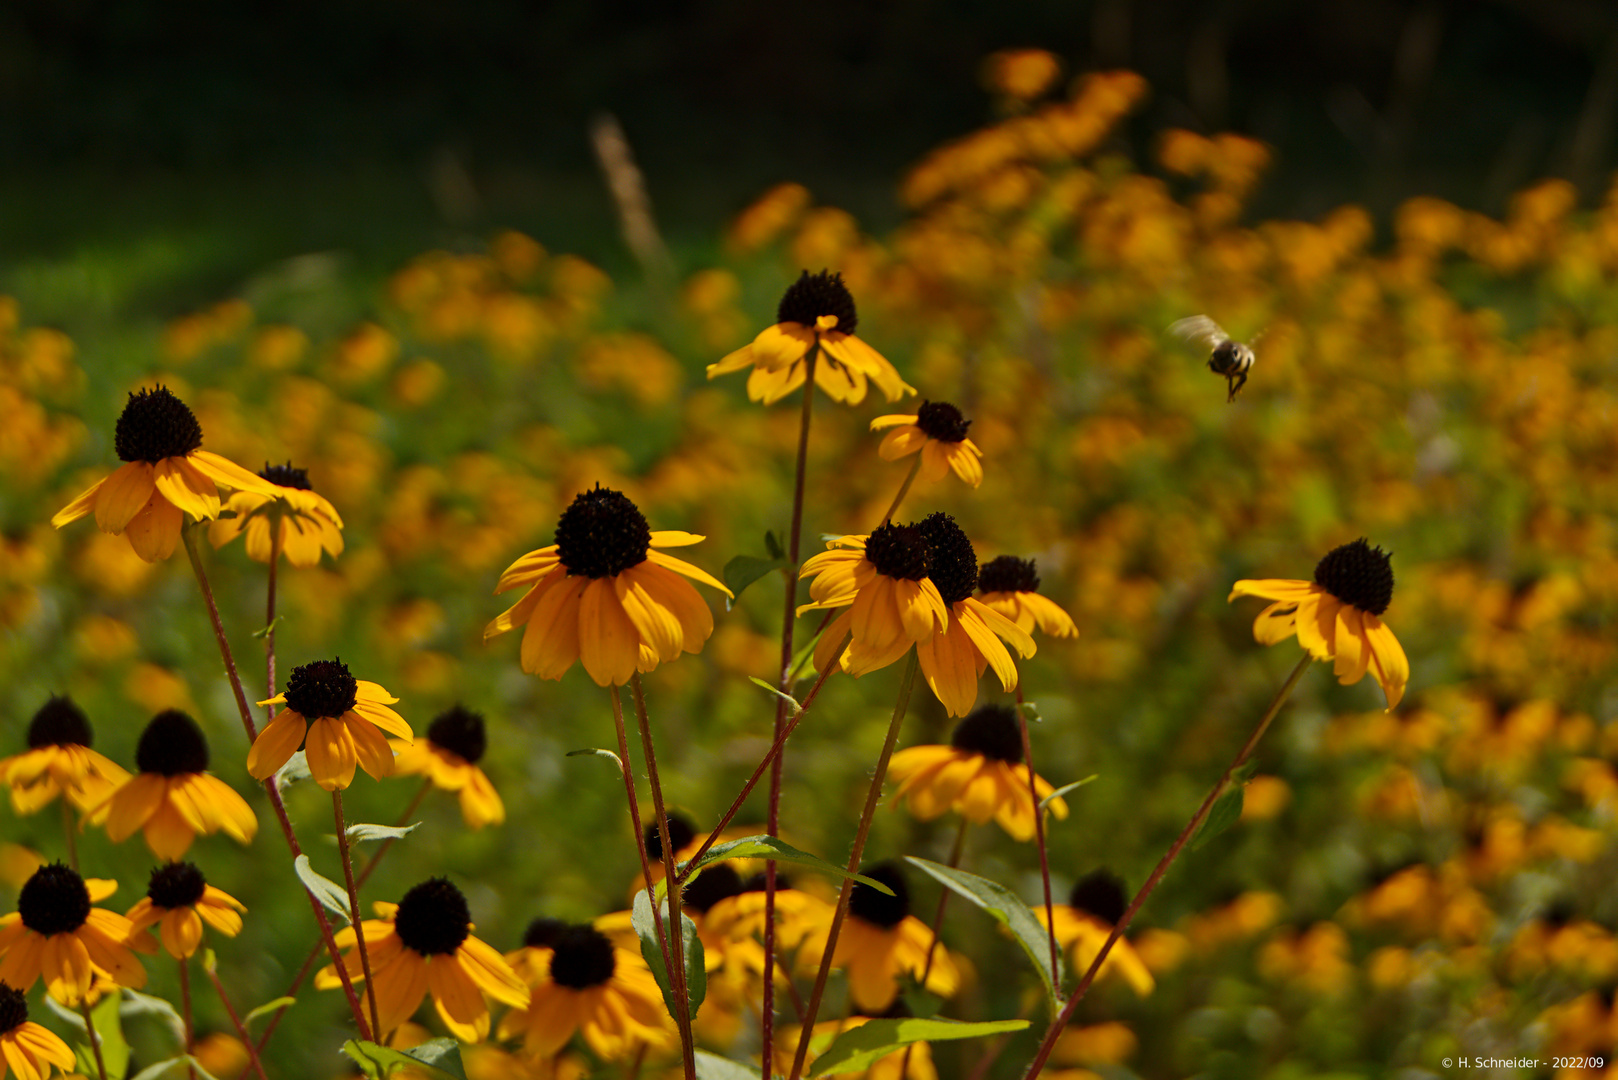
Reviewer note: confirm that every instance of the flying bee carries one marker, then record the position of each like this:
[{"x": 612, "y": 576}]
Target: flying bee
[{"x": 1230, "y": 358}]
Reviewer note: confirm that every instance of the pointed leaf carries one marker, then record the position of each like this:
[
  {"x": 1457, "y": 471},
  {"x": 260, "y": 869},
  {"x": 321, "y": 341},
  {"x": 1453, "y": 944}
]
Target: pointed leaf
[
  {"x": 743, "y": 570},
  {"x": 296, "y": 768},
  {"x": 136, "y": 1003},
  {"x": 267, "y": 1008},
  {"x": 1005, "y": 906},
  {"x": 854, "y": 1050},
  {"x": 1065, "y": 788},
  {"x": 438, "y": 1058},
  {"x": 1030, "y": 710},
  {"x": 772, "y": 544},
  {"x": 171, "y": 1067},
  {"x": 327, "y": 891},
  {"x": 596, "y": 751},
  {"x": 771, "y": 847},
  {"x": 713, "y": 1067},
  {"x": 696, "y": 972},
  {"x": 1227, "y": 811},
  {"x": 380, "y": 832},
  {"x": 792, "y": 702}
]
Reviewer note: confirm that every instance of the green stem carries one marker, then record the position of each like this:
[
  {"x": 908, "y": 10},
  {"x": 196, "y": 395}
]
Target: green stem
[
  {"x": 94, "y": 1036},
  {"x": 185, "y": 1012},
  {"x": 68, "y": 831},
  {"x": 1060, "y": 1023},
  {"x": 354, "y": 911},
  {"x": 269, "y": 614},
  {"x": 872, "y": 796},
  {"x": 904, "y": 489},
  {"x": 1039, "y": 836}
]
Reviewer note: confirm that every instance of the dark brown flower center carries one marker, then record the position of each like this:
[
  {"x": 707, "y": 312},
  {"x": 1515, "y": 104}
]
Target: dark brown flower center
[
  {"x": 177, "y": 885},
  {"x": 433, "y": 918},
  {"x": 13, "y": 1008},
  {"x": 1358, "y": 574},
  {"x": 59, "y": 722},
  {"x": 942, "y": 421},
  {"x": 155, "y": 425},
  {"x": 285, "y": 476},
  {"x": 1007, "y": 573},
  {"x": 583, "y": 958},
  {"x": 711, "y": 886},
  {"x": 461, "y": 732},
  {"x": 323, "y": 688},
  {"x": 602, "y": 534},
  {"x": 992, "y": 731},
  {"x": 876, "y": 907},
  {"x": 1100, "y": 893},
  {"x": 814, "y": 295},
  {"x": 172, "y": 744},
  {"x": 542, "y": 933},
  {"x": 680, "y": 828},
  {"x": 54, "y": 901},
  {"x": 953, "y": 563},
  {"x": 899, "y": 552}
]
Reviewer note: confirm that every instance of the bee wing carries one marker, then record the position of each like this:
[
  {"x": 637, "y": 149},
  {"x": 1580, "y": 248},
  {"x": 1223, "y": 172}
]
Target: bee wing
[{"x": 1199, "y": 329}]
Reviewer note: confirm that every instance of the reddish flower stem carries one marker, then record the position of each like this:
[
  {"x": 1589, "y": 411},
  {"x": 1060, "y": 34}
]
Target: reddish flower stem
[
  {"x": 185, "y": 1012},
  {"x": 269, "y": 616},
  {"x": 904, "y": 489},
  {"x": 253, "y": 1061},
  {"x": 354, "y": 910},
  {"x": 1039, "y": 837}
]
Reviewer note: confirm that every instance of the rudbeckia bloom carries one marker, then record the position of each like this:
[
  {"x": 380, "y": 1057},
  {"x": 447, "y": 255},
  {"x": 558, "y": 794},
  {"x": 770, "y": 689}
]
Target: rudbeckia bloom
[
  {"x": 1010, "y": 586},
  {"x": 449, "y": 756},
  {"x": 603, "y": 594},
  {"x": 882, "y": 580},
  {"x": 59, "y": 761},
  {"x": 881, "y": 941},
  {"x": 816, "y": 311},
  {"x": 174, "y": 798},
  {"x": 343, "y": 719},
  {"x": 1085, "y": 922},
  {"x": 979, "y": 775},
  {"x": 938, "y": 431},
  {"x": 422, "y": 943},
  {"x": 308, "y": 524},
  {"x": 587, "y": 985},
  {"x": 797, "y": 915},
  {"x": 178, "y": 899},
  {"x": 56, "y": 933},
  {"x": 166, "y": 476},
  {"x": 1338, "y": 616},
  {"x": 918, "y": 1055},
  {"x": 26, "y": 1048}
]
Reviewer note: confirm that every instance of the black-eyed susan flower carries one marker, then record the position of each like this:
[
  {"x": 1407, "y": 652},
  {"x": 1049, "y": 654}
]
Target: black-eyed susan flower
[
  {"x": 686, "y": 842},
  {"x": 174, "y": 798},
  {"x": 166, "y": 475},
  {"x": 915, "y": 1062},
  {"x": 338, "y": 719},
  {"x": 589, "y": 986},
  {"x": 816, "y": 312},
  {"x": 56, "y": 932},
  {"x": 422, "y": 943},
  {"x": 1011, "y": 586},
  {"x": 59, "y": 761},
  {"x": 798, "y": 914},
  {"x": 880, "y": 941},
  {"x": 1084, "y": 923},
  {"x": 937, "y": 431},
  {"x": 1338, "y": 616},
  {"x": 980, "y": 775},
  {"x": 605, "y": 595},
  {"x": 178, "y": 900},
  {"x": 26, "y": 1048},
  {"x": 449, "y": 755},
  {"x": 306, "y": 522},
  {"x": 882, "y": 580},
  {"x": 954, "y": 660}
]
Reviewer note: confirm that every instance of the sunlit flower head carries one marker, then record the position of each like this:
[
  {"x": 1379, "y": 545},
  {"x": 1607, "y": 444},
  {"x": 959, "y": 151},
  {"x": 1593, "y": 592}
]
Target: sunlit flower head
[
  {"x": 449, "y": 755},
  {"x": 882, "y": 580},
  {"x": 586, "y": 985},
  {"x": 338, "y": 719},
  {"x": 980, "y": 775},
  {"x": 938, "y": 431},
  {"x": 1084, "y": 923},
  {"x": 798, "y": 914},
  {"x": 59, "y": 761},
  {"x": 1338, "y": 616},
  {"x": 1011, "y": 586},
  {"x": 178, "y": 900},
  {"x": 56, "y": 932},
  {"x": 308, "y": 524},
  {"x": 26, "y": 1048},
  {"x": 881, "y": 941},
  {"x": 174, "y": 797},
  {"x": 422, "y": 943},
  {"x": 605, "y": 595},
  {"x": 166, "y": 475},
  {"x": 816, "y": 312}
]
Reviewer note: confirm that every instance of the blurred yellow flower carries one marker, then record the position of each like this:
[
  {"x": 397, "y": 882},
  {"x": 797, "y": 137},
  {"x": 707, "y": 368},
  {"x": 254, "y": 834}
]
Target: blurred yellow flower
[
  {"x": 343, "y": 719},
  {"x": 56, "y": 932},
  {"x": 1010, "y": 586},
  {"x": 59, "y": 761},
  {"x": 178, "y": 899},
  {"x": 938, "y": 431},
  {"x": 1084, "y": 923},
  {"x": 300, "y": 522},
  {"x": 1023, "y": 74},
  {"x": 817, "y": 313},
  {"x": 173, "y": 798},
  {"x": 580, "y": 983},
  {"x": 1337, "y": 616},
  {"x": 456, "y": 741},
  {"x": 916, "y": 1059}
]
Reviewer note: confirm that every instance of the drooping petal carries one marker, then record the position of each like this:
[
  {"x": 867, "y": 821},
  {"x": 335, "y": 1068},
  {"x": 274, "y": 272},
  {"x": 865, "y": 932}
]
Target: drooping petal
[
  {"x": 133, "y": 804},
  {"x": 1353, "y": 650},
  {"x": 901, "y": 442},
  {"x": 1004, "y": 628},
  {"x": 371, "y": 749},
  {"x": 680, "y": 566},
  {"x": 155, "y": 531},
  {"x": 680, "y": 597},
  {"x": 330, "y": 752},
  {"x": 1273, "y": 589},
  {"x": 656, "y": 624},
  {"x": 123, "y": 495},
  {"x": 1388, "y": 661},
  {"x": 608, "y": 641},
  {"x": 893, "y": 420},
  {"x": 181, "y": 931},
  {"x": 275, "y": 744},
  {"x": 988, "y": 646},
  {"x": 1276, "y": 623},
  {"x": 84, "y": 504},
  {"x": 186, "y": 488},
  {"x": 224, "y": 471},
  {"x": 530, "y": 568},
  {"x": 168, "y": 834},
  {"x": 550, "y": 645},
  {"x": 1317, "y": 614},
  {"x": 966, "y": 460}
]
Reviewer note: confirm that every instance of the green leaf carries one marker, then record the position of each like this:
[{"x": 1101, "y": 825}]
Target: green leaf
[
  {"x": 264, "y": 631},
  {"x": 1003, "y": 905},
  {"x": 380, "y": 832},
  {"x": 110, "y": 1030},
  {"x": 296, "y": 768},
  {"x": 1030, "y": 710},
  {"x": 1227, "y": 811},
  {"x": 714, "y": 1067},
  {"x": 1065, "y": 788},
  {"x": 792, "y": 702},
  {"x": 854, "y": 1050},
  {"x": 696, "y": 973},
  {"x": 771, "y": 847},
  {"x": 267, "y": 1008},
  {"x": 438, "y": 1058},
  {"x": 596, "y": 751},
  {"x": 327, "y": 891},
  {"x": 743, "y": 570},
  {"x": 136, "y": 1003},
  {"x": 772, "y": 544},
  {"x": 165, "y": 1068}
]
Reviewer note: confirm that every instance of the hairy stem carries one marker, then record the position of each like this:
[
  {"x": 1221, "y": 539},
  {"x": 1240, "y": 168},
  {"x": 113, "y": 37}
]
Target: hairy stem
[
  {"x": 640, "y": 832},
  {"x": 354, "y": 910},
  {"x": 904, "y": 489},
  {"x": 269, "y": 615},
  {"x": 69, "y": 831},
  {"x": 1039, "y": 835},
  {"x": 94, "y": 1036},
  {"x": 253, "y": 1061}
]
